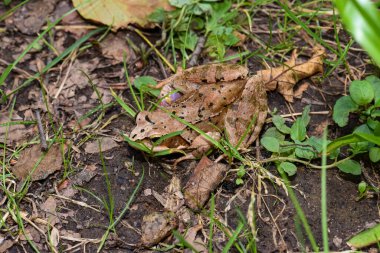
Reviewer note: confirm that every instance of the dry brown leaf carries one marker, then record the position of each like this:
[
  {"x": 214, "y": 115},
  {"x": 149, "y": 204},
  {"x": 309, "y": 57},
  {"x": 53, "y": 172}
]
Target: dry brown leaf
[
  {"x": 16, "y": 133},
  {"x": 106, "y": 143},
  {"x": 156, "y": 227},
  {"x": 301, "y": 89},
  {"x": 50, "y": 163},
  {"x": 284, "y": 78},
  {"x": 49, "y": 206},
  {"x": 205, "y": 178},
  {"x": 5, "y": 245},
  {"x": 119, "y": 13},
  {"x": 193, "y": 240},
  {"x": 115, "y": 47}
]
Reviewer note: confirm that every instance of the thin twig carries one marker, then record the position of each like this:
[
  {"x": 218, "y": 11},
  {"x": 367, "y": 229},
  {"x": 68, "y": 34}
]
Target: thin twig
[{"x": 44, "y": 145}]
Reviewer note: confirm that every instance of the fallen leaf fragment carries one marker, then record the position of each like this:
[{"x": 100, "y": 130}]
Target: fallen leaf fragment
[
  {"x": 156, "y": 227},
  {"x": 49, "y": 206},
  {"x": 5, "y": 245},
  {"x": 284, "y": 78},
  {"x": 193, "y": 240},
  {"x": 16, "y": 132},
  {"x": 115, "y": 47},
  {"x": 29, "y": 158},
  {"x": 205, "y": 178},
  {"x": 106, "y": 143},
  {"x": 119, "y": 13}
]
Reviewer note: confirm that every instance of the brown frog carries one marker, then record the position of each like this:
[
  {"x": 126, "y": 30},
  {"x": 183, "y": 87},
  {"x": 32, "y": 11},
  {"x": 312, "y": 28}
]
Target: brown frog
[{"x": 219, "y": 98}]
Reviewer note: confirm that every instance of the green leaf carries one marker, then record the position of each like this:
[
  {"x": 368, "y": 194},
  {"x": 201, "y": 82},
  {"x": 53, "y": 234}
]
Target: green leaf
[
  {"x": 362, "y": 18},
  {"x": 298, "y": 130},
  {"x": 351, "y": 167},
  {"x": 375, "y": 82},
  {"x": 342, "y": 141},
  {"x": 374, "y": 154},
  {"x": 365, "y": 238},
  {"x": 273, "y": 132},
  {"x": 142, "y": 83},
  {"x": 305, "y": 115},
  {"x": 180, "y": 3},
  {"x": 342, "y": 109},
  {"x": 279, "y": 123},
  {"x": 305, "y": 150},
  {"x": 241, "y": 172},
  {"x": 369, "y": 137},
  {"x": 271, "y": 144},
  {"x": 289, "y": 168},
  {"x": 362, "y": 187},
  {"x": 362, "y": 92},
  {"x": 287, "y": 147},
  {"x": 362, "y": 145},
  {"x": 239, "y": 181}
]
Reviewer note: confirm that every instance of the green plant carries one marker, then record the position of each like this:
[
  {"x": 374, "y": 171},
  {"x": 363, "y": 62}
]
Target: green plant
[
  {"x": 190, "y": 20},
  {"x": 362, "y": 19},
  {"x": 363, "y": 100}
]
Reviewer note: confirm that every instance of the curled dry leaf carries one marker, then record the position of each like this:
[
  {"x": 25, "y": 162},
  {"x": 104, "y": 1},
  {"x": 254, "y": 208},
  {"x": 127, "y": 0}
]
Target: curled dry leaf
[
  {"x": 205, "y": 178},
  {"x": 119, "y": 13},
  {"x": 51, "y": 162},
  {"x": 216, "y": 97},
  {"x": 157, "y": 226}
]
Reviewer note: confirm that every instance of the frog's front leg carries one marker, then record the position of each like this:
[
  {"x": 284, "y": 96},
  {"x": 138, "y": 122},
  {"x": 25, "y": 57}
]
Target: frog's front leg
[{"x": 251, "y": 107}]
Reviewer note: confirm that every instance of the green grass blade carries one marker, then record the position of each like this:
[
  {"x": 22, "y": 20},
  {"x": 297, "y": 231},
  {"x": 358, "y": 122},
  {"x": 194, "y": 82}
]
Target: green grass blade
[
  {"x": 123, "y": 212},
  {"x": 305, "y": 27},
  {"x": 299, "y": 211},
  {"x": 233, "y": 238},
  {"x": 7, "y": 13},
  {"x": 56, "y": 60},
  {"x": 325, "y": 235},
  {"x": 126, "y": 107},
  {"x": 167, "y": 136},
  {"x": 137, "y": 145},
  {"x": 363, "y": 21},
  {"x": 9, "y": 68}
]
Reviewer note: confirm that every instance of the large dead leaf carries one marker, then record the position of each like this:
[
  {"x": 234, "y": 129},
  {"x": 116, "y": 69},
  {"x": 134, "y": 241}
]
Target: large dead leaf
[
  {"x": 205, "y": 178},
  {"x": 119, "y": 13},
  {"x": 50, "y": 163}
]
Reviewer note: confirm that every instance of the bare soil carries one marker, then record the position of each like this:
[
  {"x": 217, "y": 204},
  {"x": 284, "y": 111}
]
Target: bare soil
[{"x": 278, "y": 229}]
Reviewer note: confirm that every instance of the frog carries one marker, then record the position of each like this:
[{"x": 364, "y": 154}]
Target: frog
[{"x": 218, "y": 99}]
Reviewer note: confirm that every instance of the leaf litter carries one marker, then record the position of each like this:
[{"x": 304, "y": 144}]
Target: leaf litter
[{"x": 70, "y": 97}]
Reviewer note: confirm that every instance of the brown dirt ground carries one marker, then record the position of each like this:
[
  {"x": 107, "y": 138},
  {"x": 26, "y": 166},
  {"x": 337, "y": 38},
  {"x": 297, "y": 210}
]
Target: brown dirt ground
[{"x": 346, "y": 215}]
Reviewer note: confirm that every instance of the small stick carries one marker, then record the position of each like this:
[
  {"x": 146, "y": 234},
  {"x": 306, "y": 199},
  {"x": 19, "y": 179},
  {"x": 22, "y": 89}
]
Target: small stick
[
  {"x": 44, "y": 145},
  {"x": 197, "y": 51}
]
